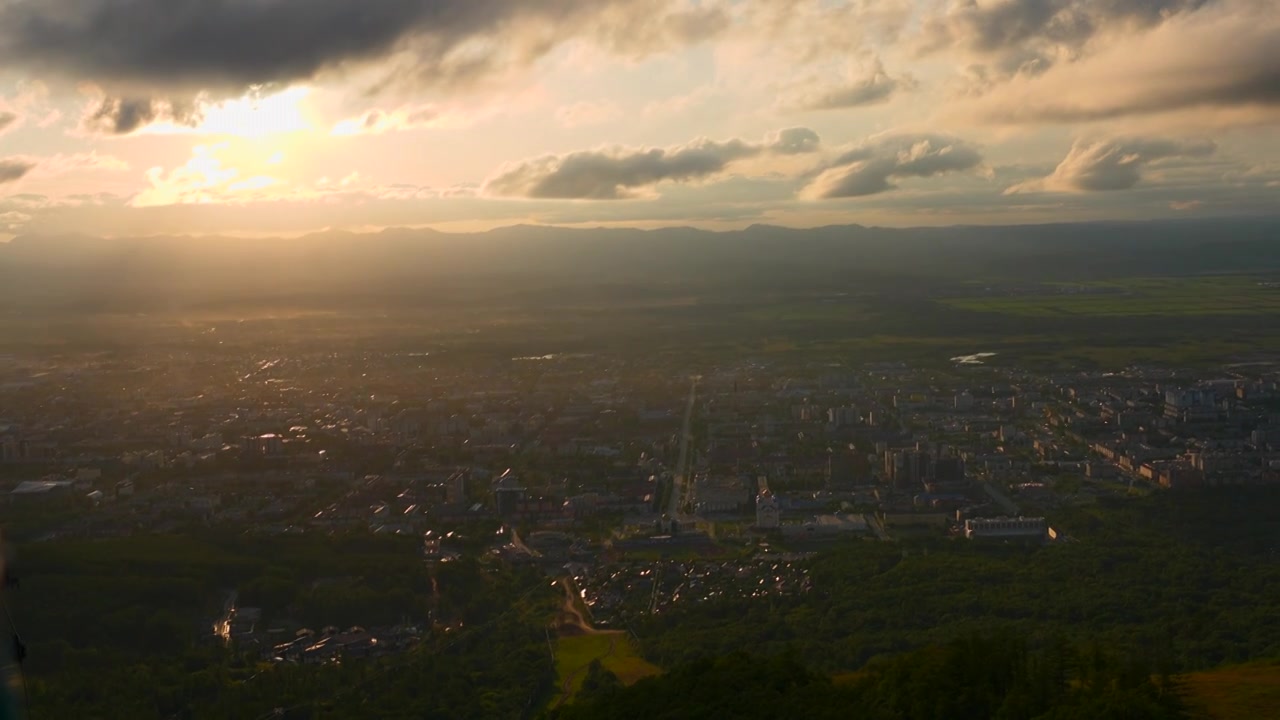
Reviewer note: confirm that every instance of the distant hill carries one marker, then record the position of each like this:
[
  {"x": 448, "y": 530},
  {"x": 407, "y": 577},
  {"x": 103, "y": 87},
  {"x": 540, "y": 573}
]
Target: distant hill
[{"x": 400, "y": 265}]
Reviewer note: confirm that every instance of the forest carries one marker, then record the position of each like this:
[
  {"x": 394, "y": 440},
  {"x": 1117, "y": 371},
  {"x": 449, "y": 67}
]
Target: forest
[
  {"x": 994, "y": 677},
  {"x": 1184, "y": 580},
  {"x": 1148, "y": 591}
]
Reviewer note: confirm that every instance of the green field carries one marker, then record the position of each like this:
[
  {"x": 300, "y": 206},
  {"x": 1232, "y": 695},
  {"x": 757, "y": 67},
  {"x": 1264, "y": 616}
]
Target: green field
[
  {"x": 614, "y": 651},
  {"x": 1239, "y": 692},
  {"x": 1193, "y": 297}
]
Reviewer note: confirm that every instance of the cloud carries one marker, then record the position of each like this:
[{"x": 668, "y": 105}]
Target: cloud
[
  {"x": 13, "y": 221},
  {"x": 257, "y": 113},
  {"x": 454, "y": 114},
  {"x": 171, "y": 48},
  {"x": 14, "y": 169},
  {"x": 619, "y": 173},
  {"x": 31, "y": 102},
  {"x": 377, "y": 122},
  {"x": 1109, "y": 165},
  {"x": 1226, "y": 57},
  {"x": 812, "y": 54},
  {"x": 615, "y": 175},
  {"x": 587, "y": 112},
  {"x": 62, "y": 164},
  {"x": 204, "y": 179},
  {"x": 678, "y": 104},
  {"x": 122, "y": 116},
  {"x": 1028, "y": 36},
  {"x": 872, "y": 168},
  {"x": 871, "y": 87},
  {"x": 793, "y": 141}
]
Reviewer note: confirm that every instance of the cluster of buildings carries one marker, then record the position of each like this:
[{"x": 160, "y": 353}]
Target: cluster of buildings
[
  {"x": 636, "y": 474},
  {"x": 1173, "y": 430},
  {"x": 614, "y": 591}
]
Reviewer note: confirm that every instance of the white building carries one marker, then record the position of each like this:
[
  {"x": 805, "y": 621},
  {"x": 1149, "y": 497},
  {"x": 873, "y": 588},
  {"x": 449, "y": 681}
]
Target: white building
[
  {"x": 827, "y": 527},
  {"x": 1003, "y": 527},
  {"x": 766, "y": 511}
]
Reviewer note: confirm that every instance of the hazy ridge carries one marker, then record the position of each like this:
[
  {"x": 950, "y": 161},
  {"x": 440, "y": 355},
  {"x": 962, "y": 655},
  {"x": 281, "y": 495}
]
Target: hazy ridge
[{"x": 86, "y": 273}]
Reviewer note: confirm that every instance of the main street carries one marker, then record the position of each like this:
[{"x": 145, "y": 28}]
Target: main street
[{"x": 680, "y": 479}]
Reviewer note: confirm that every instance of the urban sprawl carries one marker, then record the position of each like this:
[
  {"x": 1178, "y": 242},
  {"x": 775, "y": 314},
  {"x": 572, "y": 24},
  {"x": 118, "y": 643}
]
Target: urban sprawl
[{"x": 638, "y": 485}]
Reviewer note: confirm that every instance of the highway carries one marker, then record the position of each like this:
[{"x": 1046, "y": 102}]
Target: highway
[{"x": 680, "y": 479}]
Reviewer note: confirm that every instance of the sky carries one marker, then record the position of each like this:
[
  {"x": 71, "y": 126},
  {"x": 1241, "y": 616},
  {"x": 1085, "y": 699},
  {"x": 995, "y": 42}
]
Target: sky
[{"x": 279, "y": 117}]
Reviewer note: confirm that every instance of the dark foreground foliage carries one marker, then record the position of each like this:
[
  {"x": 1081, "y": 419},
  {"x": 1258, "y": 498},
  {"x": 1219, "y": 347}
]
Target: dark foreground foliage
[{"x": 978, "y": 678}]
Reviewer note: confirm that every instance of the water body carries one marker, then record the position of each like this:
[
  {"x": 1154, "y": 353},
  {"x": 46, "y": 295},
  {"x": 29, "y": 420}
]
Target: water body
[
  {"x": 553, "y": 356},
  {"x": 974, "y": 359}
]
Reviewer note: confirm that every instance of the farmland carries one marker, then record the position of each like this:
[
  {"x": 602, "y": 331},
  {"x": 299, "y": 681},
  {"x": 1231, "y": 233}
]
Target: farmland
[{"x": 1183, "y": 297}]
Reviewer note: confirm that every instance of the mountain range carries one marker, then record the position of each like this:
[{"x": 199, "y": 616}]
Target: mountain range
[{"x": 403, "y": 265}]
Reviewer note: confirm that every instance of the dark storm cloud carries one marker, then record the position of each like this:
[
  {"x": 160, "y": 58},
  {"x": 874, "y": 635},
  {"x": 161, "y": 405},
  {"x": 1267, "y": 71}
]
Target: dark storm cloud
[
  {"x": 618, "y": 174},
  {"x": 14, "y": 169},
  {"x": 1110, "y": 165},
  {"x": 873, "y": 168},
  {"x": 158, "y": 47}
]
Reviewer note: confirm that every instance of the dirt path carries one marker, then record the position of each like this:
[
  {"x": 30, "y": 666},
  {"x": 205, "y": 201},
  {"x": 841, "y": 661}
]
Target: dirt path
[{"x": 571, "y": 618}]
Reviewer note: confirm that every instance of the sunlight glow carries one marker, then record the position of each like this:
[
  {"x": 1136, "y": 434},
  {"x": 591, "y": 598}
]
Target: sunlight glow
[
  {"x": 204, "y": 179},
  {"x": 251, "y": 116}
]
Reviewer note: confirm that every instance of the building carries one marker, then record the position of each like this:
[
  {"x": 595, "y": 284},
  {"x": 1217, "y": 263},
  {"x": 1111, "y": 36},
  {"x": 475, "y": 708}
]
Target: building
[
  {"x": 33, "y": 488},
  {"x": 843, "y": 416},
  {"x": 508, "y": 494},
  {"x": 1006, "y": 528},
  {"x": 455, "y": 488},
  {"x": 846, "y": 468},
  {"x": 1190, "y": 405},
  {"x": 269, "y": 445},
  {"x": 910, "y": 468},
  {"x": 766, "y": 511},
  {"x": 827, "y": 527},
  {"x": 721, "y": 494},
  {"x": 949, "y": 471}
]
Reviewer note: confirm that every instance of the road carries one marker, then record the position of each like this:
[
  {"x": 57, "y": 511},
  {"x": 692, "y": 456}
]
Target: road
[
  {"x": 1001, "y": 499},
  {"x": 571, "y": 618},
  {"x": 222, "y": 628},
  {"x": 572, "y": 622},
  {"x": 680, "y": 478},
  {"x": 519, "y": 545},
  {"x": 878, "y": 528}
]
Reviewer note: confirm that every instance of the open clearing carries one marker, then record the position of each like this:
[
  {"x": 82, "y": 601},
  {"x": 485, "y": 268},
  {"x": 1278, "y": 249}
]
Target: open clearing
[
  {"x": 578, "y": 644},
  {"x": 1239, "y": 692},
  {"x": 614, "y": 651}
]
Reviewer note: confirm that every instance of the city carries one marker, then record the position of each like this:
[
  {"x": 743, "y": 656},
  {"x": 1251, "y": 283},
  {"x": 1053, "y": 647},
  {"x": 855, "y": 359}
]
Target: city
[
  {"x": 645, "y": 488},
  {"x": 639, "y": 359}
]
